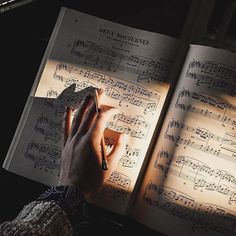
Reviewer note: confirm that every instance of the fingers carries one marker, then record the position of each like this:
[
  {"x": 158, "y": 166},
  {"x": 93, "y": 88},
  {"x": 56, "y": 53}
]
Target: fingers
[
  {"x": 99, "y": 125},
  {"x": 66, "y": 123},
  {"x": 116, "y": 152},
  {"x": 84, "y": 105},
  {"x": 91, "y": 113},
  {"x": 100, "y": 97}
]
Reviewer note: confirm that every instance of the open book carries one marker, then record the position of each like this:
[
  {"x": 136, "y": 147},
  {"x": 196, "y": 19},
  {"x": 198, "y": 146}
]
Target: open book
[{"x": 177, "y": 105}]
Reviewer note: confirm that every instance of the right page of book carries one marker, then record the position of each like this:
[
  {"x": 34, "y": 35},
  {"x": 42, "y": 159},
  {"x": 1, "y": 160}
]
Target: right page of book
[{"x": 190, "y": 183}]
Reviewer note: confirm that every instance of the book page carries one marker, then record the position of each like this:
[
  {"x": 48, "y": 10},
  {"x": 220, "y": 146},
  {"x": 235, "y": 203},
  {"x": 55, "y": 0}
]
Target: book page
[
  {"x": 132, "y": 67},
  {"x": 190, "y": 184}
]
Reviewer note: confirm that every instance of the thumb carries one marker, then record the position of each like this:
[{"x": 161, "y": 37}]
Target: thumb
[{"x": 117, "y": 151}]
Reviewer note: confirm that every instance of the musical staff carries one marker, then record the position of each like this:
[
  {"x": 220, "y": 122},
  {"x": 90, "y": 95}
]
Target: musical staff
[
  {"x": 131, "y": 157},
  {"x": 120, "y": 180},
  {"x": 117, "y": 186},
  {"x": 202, "y": 139},
  {"x": 200, "y": 175},
  {"x": 135, "y": 126},
  {"x": 45, "y": 157},
  {"x": 123, "y": 92},
  {"x": 95, "y": 56},
  {"x": 49, "y": 128},
  {"x": 214, "y": 108},
  {"x": 171, "y": 200},
  {"x": 203, "y": 216},
  {"x": 211, "y": 74}
]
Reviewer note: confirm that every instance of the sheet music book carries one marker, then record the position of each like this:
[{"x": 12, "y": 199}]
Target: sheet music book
[{"x": 177, "y": 104}]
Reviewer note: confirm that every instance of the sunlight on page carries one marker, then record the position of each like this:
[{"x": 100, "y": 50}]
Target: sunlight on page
[
  {"x": 191, "y": 179},
  {"x": 139, "y": 111}
]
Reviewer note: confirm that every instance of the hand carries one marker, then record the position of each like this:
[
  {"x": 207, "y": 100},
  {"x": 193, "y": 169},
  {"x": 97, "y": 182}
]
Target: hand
[{"x": 81, "y": 156}]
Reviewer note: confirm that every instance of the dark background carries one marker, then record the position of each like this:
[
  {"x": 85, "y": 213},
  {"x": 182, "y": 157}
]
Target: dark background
[{"x": 24, "y": 34}]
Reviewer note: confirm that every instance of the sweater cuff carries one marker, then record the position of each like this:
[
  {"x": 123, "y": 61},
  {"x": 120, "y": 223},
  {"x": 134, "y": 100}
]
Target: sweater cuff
[{"x": 69, "y": 199}]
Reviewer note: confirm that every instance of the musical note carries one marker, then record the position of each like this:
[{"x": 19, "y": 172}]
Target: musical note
[
  {"x": 130, "y": 157},
  {"x": 123, "y": 92},
  {"x": 171, "y": 200},
  {"x": 212, "y": 217},
  {"x": 212, "y": 74},
  {"x": 115, "y": 193},
  {"x": 136, "y": 126},
  {"x": 218, "y": 109},
  {"x": 98, "y": 57},
  {"x": 119, "y": 180},
  {"x": 118, "y": 186},
  {"x": 203, "y": 140},
  {"x": 45, "y": 157},
  {"x": 49, "y": 128},
  {"x": 199, "y": 174},
  {"x": 203, "y": 216}
]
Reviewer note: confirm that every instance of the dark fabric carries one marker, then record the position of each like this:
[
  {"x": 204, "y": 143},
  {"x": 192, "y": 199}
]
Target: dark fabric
[{"x": 71, "y": 201}]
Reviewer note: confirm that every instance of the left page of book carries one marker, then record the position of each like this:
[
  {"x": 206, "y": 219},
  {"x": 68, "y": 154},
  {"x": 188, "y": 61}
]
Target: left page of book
[{"x": 132, "y": 67}]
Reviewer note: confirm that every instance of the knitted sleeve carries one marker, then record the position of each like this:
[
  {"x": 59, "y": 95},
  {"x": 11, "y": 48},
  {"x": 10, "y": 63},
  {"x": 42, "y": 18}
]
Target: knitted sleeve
[{"x": 58, "y": 211}]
